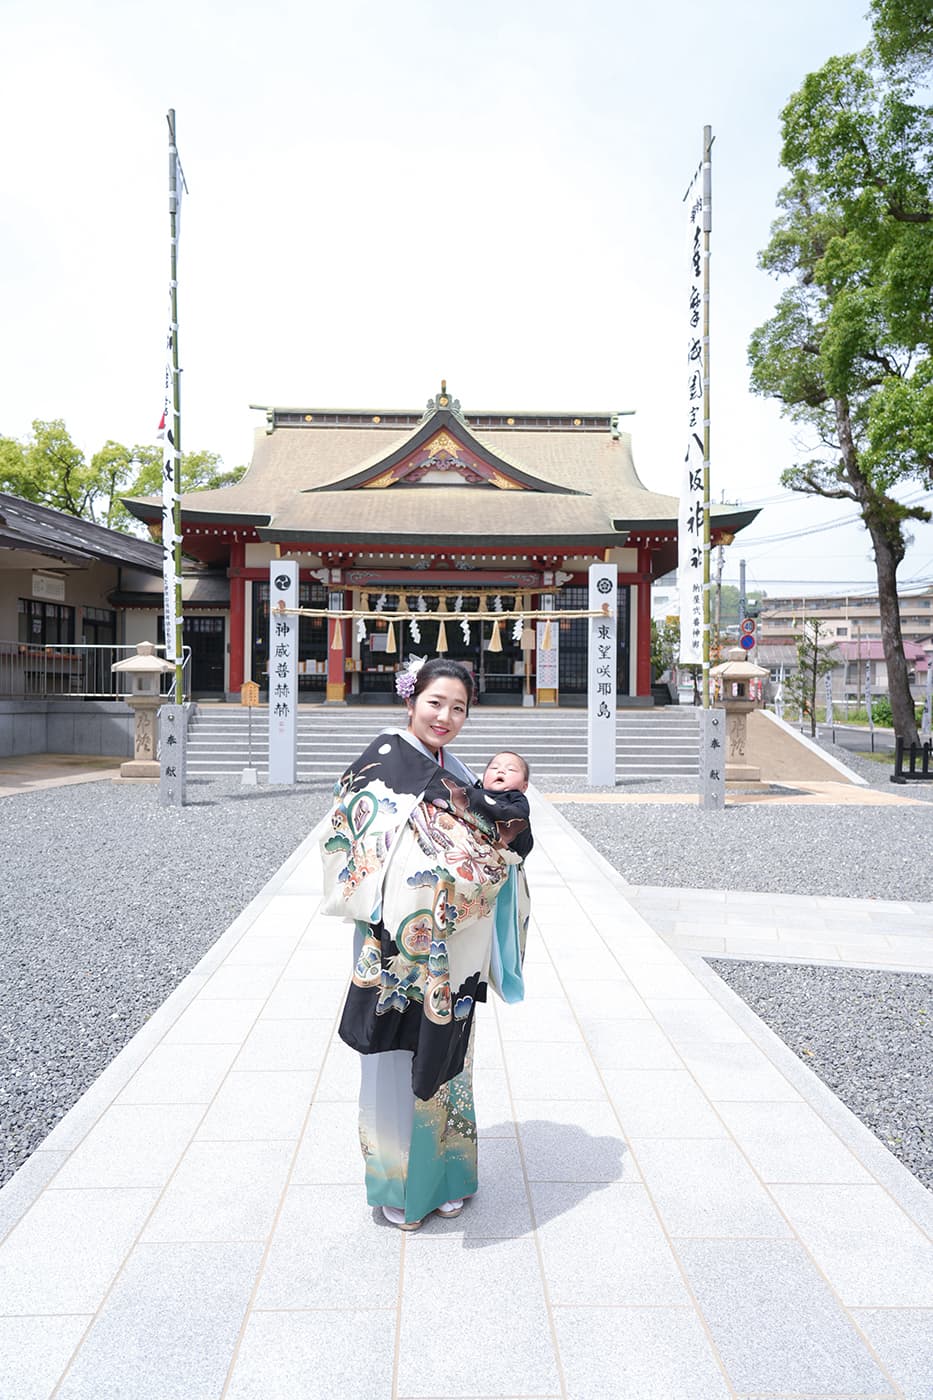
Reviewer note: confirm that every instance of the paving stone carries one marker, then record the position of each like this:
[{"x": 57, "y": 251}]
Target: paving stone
[
  {"x": 214, "y": 1022},
  {"x": 661, "y": 1103},
  {"x": 604, "y": 1245},
  {"x": 775, "y": 1321},
  {"x": 179, "y": 1074},
  {"x": 233, "y": 981},
  {"x": 329, "y": 1153},
  {"x": 606, "y": 1001},
  {"x": 498, "y": 1287},
  {"x": 705, "y": 1187},
  {"x": 285, "y": 1045},
  {"x": 339, "y": 1081},
  {"x": 547, "y": 1020},
  {"x": 256, "y": 949},
  {"x": 695, "y": 1020},
  {"x": 259, "y": 1104},
  {"x": 790, "y": 1142},
  {"x": 222, "y": 1191},
  {"x": 637, "y": 1354},
  {"x": 329, "y": 1251},
  {"x": 303, "y": 999},
  {"x": 573, "y": 1140},
  {"x": 316, "y": 1356},
  {"x": 132, "y": 1145},
  {"x": 872, "y": 1254},
  {"x": 630, "y": 1045},
  {"x": 552, "y": 1071},
  {"x": 66, "y": 1250},
  {"x": 18, "y": 1194},
  {"x": 735, "y": 1072},
  {"x": 168, "y": 1329},
  {"x": 34, "y": 1351},
  {"x": 903, "y": 1339}
]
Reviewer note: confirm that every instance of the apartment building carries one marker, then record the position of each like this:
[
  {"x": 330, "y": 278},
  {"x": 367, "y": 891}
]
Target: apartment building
[{"x": 847, "y": 617}]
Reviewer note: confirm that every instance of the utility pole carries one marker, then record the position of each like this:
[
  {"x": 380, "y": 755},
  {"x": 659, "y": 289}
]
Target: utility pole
[{"x": 743, "y": 601}]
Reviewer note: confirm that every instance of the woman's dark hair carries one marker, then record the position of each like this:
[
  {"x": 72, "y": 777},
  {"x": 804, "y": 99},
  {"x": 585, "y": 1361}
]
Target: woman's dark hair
[{"x": 439, "y": 666}]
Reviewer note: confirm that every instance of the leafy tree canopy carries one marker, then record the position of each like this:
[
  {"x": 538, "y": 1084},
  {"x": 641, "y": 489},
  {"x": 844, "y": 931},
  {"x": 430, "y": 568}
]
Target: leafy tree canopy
[
  {"x": 848, "y": 349},
  {"x": 49, "y": 469}
]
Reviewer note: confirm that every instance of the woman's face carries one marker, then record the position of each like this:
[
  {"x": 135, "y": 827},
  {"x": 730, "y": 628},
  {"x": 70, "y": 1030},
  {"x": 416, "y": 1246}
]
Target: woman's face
[{"x": 436, "y": 715}]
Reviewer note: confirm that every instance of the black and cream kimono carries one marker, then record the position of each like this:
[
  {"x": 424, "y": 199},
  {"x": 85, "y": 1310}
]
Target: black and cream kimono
[{"x": 412, "y": 854}]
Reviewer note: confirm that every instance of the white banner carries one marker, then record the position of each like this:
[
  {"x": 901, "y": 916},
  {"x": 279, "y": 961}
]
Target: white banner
[
  {"x": 690, "y": 525},
  {"x": 167, "y": 434},
  {"x": 168, "y": 427},
  {"x": 868, "y": 696},
  {"x": 602, "y": 654},
  {"x": 928, "y": 699},
  {"x": 828, "y": 686},
  {"x": 283, "y": 672}
]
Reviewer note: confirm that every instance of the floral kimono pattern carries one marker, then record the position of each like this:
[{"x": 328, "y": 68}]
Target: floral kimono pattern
[{"x": 415, "y": 858}]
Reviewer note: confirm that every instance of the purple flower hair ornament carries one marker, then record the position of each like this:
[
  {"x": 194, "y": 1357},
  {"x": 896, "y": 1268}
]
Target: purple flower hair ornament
[{"x": 406, "y": 677}]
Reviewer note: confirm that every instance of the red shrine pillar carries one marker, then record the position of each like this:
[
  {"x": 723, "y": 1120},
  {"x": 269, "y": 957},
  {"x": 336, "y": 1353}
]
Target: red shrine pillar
[
  {"x": 643, "y": 624},
  {"x": 338, "y": 632},
  {"x": 235, "y": 573}
]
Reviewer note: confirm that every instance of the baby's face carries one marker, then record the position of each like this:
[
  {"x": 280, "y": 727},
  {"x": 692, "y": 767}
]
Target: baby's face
[{"x": 505, "y": 773}]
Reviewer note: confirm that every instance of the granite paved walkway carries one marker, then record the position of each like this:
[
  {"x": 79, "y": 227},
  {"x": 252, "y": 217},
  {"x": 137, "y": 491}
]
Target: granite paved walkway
[{"x": 671, "y": 1206}]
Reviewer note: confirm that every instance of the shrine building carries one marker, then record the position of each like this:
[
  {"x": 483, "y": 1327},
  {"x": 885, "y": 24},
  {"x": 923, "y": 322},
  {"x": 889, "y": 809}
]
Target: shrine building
[{"x": 434, "y": 512}]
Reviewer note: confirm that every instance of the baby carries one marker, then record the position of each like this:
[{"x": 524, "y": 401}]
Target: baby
[{"x": 507, "y": 773}]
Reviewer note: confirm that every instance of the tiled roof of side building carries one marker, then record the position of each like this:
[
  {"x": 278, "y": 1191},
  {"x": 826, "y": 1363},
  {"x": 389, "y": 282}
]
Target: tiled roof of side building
[{"x": 44, "y": 530}]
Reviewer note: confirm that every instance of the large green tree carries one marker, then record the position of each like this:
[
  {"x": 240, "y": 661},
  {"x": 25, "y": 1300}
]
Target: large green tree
[
  {"x": 848, "y": 349},
  {"x": 49, "y": 469}
]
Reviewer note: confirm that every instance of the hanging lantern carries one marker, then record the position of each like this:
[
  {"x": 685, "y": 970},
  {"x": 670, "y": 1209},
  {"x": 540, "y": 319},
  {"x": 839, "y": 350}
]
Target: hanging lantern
[
  {"x": 337, "y": 642},
  {"x": 442, "y": 636},
  {"x": 390, "y": 637},
  {"x": 495, "y": 641}
]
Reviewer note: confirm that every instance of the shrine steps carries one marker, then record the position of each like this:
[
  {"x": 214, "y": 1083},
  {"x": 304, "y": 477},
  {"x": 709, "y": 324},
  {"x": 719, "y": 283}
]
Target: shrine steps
[{"x": 650, "y": 744}]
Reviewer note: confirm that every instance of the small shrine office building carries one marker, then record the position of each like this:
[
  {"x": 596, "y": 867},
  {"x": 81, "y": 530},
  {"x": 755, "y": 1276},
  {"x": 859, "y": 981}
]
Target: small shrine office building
[{"x": 431, "y": 512}]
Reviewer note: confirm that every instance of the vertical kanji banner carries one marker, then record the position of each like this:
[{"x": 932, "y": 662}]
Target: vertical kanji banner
[
  {"x": 168, "y": 434},
  {"x": 283, "y": 672},
  {"x": 602, "y": 656},
  {"x": 690, "y": 575}
]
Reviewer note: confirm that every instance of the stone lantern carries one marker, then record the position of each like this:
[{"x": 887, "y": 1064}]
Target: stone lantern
[
  {"x": 144, "y": 671},
  {"x": 735, "y": 677}
]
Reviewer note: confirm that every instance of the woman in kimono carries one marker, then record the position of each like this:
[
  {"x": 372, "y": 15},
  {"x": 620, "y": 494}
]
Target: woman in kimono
[{"x": 418, "y": 857}]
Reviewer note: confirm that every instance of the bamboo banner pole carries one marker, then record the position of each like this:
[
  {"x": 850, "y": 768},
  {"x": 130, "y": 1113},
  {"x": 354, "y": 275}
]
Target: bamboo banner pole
[
  {"x": 707, "y": 229},
  {"x": 173, "y": 203},
  {"x": 356, "y": 615}
]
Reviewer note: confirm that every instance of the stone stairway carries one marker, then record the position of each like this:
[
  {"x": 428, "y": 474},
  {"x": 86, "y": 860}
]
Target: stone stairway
[{"x": 660, "y": 743}]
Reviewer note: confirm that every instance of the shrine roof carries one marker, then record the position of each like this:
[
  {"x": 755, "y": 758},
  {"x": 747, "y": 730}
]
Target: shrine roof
[{"x": 330, "y": 473}]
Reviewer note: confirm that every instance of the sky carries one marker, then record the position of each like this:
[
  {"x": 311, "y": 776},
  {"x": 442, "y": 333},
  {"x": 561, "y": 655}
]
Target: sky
[{"x": 381, "y": 195}]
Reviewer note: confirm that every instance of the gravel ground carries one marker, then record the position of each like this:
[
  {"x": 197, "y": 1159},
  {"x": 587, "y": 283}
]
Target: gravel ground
[
  {"x": 859, "y": 852},
  {"x": 867, "y": 1034},
  {"x": 92, "y": 940}
]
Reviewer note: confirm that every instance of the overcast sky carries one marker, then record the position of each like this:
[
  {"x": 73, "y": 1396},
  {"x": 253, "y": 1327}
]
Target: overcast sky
[{"x": 381, "y": 194}]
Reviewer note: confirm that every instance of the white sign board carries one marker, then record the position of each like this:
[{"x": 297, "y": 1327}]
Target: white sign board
[
  {"x": 602, "y": 657},
  {"x": 547, "y": 658},
  {"x": 712, "y": 759},
  {"x": 283, "y": 672}
]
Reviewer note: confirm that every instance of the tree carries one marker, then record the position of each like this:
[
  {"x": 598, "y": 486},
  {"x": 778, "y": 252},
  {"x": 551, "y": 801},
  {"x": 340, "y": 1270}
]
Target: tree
[
  {"x": 848, "y": 349},
  {"x": 665, "y": 645},
  {"x": 903, "y": 33},
  {"x": 813, "y": 663},
  {"x": 49, "y": 469}
]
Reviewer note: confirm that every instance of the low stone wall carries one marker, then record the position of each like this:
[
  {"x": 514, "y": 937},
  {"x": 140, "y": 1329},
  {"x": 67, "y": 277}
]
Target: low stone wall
[{"x": 66, "y": 726}]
